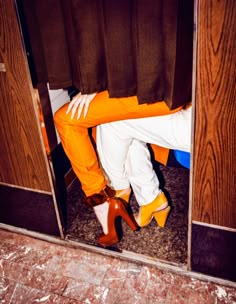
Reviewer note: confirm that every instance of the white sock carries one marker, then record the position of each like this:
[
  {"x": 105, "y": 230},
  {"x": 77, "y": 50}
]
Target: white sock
[{"x": 101, "y": 212}]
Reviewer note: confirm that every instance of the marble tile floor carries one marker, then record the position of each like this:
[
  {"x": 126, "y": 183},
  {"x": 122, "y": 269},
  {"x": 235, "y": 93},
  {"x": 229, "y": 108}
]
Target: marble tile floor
[{"x": 37, "y": 271}]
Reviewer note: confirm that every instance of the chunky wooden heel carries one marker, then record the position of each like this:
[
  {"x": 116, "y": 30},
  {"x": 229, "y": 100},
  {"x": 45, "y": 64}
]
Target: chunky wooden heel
[{"x": 161, "y": 216}]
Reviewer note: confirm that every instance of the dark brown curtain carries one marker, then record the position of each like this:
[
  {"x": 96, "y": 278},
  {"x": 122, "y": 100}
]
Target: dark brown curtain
[{"x": 128, "y": 47}]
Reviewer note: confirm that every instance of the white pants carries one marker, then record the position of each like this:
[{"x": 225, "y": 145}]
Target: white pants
[{"x": 124, "y": 154}]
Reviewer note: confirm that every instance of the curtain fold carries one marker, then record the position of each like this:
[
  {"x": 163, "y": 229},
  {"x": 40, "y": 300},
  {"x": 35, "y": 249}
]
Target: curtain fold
[{"x": 128, "y": 47}]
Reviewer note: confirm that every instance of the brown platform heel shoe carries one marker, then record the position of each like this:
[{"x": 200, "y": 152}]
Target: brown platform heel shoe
[
  {"x": 107, "y": 209},
  {"x": 115, "y": 208}
]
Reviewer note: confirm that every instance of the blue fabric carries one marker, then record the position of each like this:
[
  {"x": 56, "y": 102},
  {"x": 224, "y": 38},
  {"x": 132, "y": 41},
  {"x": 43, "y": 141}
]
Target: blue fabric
[{"x": 183, "y": 158}]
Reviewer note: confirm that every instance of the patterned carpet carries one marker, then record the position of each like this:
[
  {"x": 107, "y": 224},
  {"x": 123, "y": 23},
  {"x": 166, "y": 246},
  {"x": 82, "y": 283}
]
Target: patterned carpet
[{"x": 169, "y": 243}]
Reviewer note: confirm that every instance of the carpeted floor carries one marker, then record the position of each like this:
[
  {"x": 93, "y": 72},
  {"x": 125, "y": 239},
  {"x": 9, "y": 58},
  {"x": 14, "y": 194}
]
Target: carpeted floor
[{"x": 169, "y": 243}]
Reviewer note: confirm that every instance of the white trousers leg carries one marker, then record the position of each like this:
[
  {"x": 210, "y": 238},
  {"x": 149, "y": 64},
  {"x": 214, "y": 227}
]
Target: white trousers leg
[
  {"x": 141, "y": 175},
  {"x": 124, "y": 156},
  {"x": 130, "y": 166}
]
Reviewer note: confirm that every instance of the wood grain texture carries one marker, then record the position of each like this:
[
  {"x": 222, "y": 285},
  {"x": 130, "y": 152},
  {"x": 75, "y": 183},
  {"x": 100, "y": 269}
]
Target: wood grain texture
[
  {"x": 46, "y": 109},
  {"x": 214, "y": 176},
  {"x": 22, "y": 160}
]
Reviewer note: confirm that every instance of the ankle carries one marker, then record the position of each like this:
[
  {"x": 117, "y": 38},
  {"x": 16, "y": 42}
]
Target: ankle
[
  {"x": 95, "y": 199},
  {"x": 100, "y": 197},
  {"x": 123, "y": 193},
  {"x": 160, "y": 201},
  {"x": 108, "y": 191}
]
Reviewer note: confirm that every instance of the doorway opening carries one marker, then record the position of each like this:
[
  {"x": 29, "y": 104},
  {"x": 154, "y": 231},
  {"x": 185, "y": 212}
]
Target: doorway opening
[{"x": 167, "y": 244}]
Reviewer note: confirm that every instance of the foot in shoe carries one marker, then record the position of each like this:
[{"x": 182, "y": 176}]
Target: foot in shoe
[
  {"x": 158, "y": 208},
  {"x": 115, "y": 209},
  {"x": 124, "y": 194}
]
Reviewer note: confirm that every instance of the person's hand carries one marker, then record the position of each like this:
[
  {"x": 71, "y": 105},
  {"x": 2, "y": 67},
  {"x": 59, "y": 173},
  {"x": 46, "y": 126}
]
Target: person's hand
[{"x": 78, "y": 103}]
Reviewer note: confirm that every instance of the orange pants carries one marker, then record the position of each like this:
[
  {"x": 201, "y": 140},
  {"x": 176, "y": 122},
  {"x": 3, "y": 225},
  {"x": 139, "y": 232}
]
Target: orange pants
[{"x": 76, "y": 140}]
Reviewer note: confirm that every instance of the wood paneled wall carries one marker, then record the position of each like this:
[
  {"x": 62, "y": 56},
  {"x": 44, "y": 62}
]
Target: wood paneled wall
[
  {"x": 214, "y": 179},
  {"x": 22, "y": 156}
]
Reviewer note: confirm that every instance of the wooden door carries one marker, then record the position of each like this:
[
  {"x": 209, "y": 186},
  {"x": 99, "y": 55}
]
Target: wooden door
[
  {"x": 26, "y": 189},
  {"x": 213, "y": 246}
]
